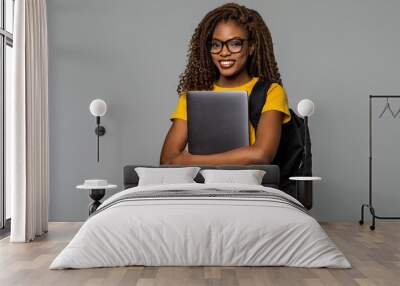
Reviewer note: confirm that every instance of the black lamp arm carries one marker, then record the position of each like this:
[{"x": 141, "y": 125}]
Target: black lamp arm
[
  {"x": 306, "y": 134},
  {"x": 100, "y": 131}
]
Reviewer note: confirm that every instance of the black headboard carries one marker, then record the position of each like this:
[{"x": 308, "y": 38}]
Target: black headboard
[{"x": 270, "y": 179}]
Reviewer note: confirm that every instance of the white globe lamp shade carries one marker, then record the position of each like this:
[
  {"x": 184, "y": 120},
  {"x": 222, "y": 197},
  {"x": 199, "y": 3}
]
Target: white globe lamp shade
[
  {"x": 98, "y": 107},
  {"x": 305, "y": 107}
]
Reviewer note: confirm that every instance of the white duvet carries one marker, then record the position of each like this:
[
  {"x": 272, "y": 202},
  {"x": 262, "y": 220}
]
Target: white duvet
[{"x": 200, "y": 231}]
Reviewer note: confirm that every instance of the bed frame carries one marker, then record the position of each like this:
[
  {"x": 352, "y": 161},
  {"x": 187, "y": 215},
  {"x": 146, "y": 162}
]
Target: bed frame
[{"x": 270, "y": 179}]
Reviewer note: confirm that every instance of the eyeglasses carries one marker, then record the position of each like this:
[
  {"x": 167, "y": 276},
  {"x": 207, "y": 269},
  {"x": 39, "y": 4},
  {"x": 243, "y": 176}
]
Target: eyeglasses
[{"x": 234, "y": 45}]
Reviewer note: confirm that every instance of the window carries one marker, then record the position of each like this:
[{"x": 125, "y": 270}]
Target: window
[{"x": 6, "y": 45}]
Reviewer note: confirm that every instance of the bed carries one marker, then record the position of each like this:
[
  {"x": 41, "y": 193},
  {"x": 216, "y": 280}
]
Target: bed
[{"x": 197, "y": 224}]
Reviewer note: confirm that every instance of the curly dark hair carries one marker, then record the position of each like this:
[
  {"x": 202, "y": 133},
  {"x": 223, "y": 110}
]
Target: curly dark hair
[{"x": 200, "y": 72}]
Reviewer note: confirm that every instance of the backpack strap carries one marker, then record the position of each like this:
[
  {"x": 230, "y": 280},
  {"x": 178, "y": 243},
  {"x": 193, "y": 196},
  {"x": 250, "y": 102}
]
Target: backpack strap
[
  {"x": 257, "y": 100},
  {"x": 289, "y": 156}
]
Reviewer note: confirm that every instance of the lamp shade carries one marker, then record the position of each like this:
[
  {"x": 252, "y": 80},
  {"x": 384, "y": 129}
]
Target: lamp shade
[
  {"x": 305, "y": 107},
  {"x": 98, "y": 107}
]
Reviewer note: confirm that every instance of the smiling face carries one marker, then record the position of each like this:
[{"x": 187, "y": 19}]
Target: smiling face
[{"x": 231, "y": 65}]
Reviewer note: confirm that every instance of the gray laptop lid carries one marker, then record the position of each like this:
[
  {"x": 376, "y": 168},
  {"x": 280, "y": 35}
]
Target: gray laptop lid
[{"x": 217, "y": 121}]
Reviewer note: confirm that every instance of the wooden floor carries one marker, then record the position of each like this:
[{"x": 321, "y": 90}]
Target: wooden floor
[{"x": 375, "y": 256}]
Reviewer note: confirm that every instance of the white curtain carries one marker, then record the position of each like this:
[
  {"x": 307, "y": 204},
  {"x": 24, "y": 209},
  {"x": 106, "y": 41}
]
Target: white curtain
[{"x": 27, "y": 141}]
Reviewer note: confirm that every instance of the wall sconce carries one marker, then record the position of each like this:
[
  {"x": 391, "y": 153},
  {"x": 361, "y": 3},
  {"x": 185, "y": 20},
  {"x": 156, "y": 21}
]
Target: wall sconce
[
  {"x": 98, "y": 108},
  {"x": 305, "y": 109}
]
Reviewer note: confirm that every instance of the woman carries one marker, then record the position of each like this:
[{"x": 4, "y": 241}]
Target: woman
[{"x": 231, "y": 49}]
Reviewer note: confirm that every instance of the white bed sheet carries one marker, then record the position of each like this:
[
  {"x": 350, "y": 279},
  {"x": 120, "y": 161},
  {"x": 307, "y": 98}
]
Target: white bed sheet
[{"x": 200, "y": 231}]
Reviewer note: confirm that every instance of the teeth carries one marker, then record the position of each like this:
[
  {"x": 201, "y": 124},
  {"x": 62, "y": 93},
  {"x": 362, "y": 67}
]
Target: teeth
[{"x": 227, "y": 63}]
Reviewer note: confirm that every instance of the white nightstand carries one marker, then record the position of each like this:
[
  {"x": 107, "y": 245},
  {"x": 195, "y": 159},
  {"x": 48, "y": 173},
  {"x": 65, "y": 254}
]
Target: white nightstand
[
  {"x": 97, "y": 190},
  {"x": 306, "y": 181}
]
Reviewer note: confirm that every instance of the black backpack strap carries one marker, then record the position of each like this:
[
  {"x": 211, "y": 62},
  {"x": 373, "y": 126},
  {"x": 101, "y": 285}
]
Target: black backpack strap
[
  {"x": 289, "y": 156},
  {"x": 257, "y": 100}
]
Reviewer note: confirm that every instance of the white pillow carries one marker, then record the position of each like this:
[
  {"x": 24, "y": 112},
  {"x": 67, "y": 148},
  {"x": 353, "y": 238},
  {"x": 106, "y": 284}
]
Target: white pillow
[
  {"x": 249, "y": 177},
  {"x": 163, "y": 176}
]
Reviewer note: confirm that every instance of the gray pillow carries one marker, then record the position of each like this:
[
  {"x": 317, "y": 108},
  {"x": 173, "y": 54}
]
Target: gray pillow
[
  {"x": 248, "y": 177},
  {"x": 164, "y": 176}
]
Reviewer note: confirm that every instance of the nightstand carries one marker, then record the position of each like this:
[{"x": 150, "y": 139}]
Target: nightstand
[
  {"x": 305, "y": 182},
  {"x": 97, "y": 190}
]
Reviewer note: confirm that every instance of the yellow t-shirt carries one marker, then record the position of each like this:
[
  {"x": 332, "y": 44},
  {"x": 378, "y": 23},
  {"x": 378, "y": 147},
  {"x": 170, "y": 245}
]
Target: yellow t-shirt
[{"x": 276, "y": 100}]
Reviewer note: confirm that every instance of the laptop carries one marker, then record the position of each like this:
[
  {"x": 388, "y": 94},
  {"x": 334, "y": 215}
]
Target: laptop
[{"x": 217, "y": 121}]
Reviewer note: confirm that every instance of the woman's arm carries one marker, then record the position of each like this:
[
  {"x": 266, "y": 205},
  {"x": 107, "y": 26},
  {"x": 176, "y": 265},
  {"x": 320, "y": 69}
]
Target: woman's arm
[
  {"x": 175, "y": 141},
  {"x": 261, "y": 152}
]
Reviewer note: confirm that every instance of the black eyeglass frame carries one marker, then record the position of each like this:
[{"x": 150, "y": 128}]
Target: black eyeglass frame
[{"x": 225, "y": 43}]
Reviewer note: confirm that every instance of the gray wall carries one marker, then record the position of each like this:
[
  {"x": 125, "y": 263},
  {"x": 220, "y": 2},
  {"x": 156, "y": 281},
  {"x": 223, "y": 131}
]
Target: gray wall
[{"x": 130, "y": 54}]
